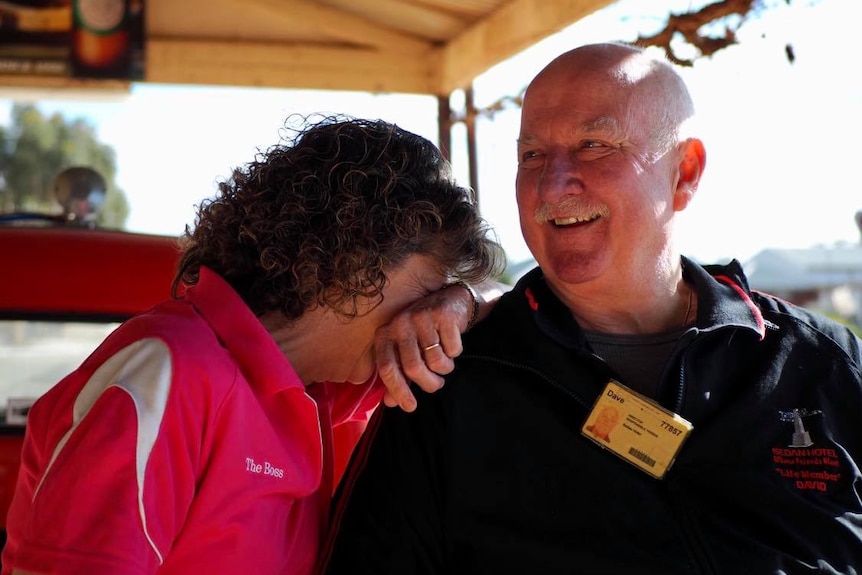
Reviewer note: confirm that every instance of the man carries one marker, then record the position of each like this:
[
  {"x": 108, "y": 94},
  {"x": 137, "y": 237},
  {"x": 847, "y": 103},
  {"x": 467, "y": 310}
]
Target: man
[{"x": 709, "y": 470}]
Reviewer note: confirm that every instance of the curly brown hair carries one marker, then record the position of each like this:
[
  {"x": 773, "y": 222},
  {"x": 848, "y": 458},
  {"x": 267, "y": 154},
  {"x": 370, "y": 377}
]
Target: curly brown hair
[{"x": 319, "y": 218}]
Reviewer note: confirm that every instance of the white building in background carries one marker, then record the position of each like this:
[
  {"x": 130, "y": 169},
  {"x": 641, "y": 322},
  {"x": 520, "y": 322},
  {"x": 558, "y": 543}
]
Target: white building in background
[{"x": 824, "y": 279}]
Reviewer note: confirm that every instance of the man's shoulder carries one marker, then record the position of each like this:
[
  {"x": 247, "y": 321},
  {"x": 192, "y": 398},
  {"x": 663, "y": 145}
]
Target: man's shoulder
[
  {"x": 826, "y": 337},
  {"x": 509, "y": 317},
  {"x": 775, "y": 309}
]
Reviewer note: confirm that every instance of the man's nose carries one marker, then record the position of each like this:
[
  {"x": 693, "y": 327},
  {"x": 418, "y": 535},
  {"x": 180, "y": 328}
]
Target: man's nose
[{"x": 560, "y": 176}]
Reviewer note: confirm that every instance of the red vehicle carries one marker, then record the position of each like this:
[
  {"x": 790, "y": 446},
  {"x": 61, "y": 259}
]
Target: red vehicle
[{"x": 64, "y": 288}]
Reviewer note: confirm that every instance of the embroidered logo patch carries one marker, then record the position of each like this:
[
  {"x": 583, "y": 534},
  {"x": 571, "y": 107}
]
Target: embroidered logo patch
[
  {"x": 801, "y": 438},
  {"x": 809, "y": 468}
]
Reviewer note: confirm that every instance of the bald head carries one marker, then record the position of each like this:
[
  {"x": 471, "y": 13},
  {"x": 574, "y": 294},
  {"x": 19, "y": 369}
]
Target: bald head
[{"x": 655, "y": 94}]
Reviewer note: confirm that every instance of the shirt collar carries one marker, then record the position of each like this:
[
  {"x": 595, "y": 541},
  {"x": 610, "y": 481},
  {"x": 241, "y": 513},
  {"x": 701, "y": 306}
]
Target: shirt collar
[
  {"x": 255, "y": 351},
  {"x": 724, "y": 300}
]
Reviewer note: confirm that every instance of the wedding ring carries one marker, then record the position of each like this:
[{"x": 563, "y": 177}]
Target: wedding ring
[{"x": 430, "y": 347}]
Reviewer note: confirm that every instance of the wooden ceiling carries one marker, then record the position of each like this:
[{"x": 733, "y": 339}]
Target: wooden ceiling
[{"x": 410, "y": 46}]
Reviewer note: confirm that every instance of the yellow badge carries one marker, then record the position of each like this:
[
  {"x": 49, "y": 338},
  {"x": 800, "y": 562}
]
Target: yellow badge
[{"x": 636, "y": 428}]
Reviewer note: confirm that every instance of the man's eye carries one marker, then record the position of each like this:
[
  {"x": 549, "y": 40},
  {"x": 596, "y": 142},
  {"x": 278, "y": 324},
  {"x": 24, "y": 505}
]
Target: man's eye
[
  {"x": 590, "y": 144},
  {"x": 529, "y": 155}
]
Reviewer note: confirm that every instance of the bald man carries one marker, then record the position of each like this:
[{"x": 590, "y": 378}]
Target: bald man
[{"x": 737, "y": 447}]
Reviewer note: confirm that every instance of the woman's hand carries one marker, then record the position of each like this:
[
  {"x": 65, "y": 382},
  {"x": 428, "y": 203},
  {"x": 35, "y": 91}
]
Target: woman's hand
[{"x": 421, "y": 342}]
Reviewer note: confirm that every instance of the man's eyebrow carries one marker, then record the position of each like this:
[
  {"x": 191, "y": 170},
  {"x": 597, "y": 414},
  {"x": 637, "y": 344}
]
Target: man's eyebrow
[{"x": 602, "y": 124}]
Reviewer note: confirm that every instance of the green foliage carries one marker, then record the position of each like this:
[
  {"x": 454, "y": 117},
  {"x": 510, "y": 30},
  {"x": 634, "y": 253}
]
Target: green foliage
[
  {"x": 34, "y": 148},
  {"x": 847, "y": 322}
]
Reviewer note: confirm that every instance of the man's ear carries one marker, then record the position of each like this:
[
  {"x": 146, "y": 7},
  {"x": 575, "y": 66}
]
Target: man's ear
[{"x": 690, "y": 171}]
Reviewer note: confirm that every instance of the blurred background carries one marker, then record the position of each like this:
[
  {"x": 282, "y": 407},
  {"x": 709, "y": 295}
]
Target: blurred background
[{"x": 780, "y": 111}]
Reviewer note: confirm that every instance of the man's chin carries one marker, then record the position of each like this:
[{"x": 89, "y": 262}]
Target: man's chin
[{"x": 574, "y": 268}]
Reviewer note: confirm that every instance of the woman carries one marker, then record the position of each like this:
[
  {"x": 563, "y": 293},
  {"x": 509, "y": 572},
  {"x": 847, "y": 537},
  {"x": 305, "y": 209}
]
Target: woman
[{"x": 198, "y": 437}]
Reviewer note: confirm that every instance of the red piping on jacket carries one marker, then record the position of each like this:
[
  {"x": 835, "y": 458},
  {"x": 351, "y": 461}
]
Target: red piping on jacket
[{"x": 755, "y": 311}]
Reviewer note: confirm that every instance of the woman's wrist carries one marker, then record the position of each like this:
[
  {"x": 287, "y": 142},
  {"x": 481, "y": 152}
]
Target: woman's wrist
[{"x": 474, "y": 297}]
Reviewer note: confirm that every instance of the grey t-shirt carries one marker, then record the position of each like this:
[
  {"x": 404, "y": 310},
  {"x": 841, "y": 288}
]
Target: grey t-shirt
[{"x": 638, "y": 359}]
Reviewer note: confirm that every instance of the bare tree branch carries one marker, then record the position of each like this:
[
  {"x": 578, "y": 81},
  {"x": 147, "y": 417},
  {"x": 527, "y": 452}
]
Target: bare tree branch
[{"x": 689, "y": 24}]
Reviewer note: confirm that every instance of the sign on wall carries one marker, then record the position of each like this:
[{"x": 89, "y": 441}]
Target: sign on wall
[{"x": 73, "y": 38}]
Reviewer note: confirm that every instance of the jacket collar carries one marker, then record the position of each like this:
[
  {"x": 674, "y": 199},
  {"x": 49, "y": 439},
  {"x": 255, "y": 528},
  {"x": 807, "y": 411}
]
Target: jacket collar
[
  {"x": 724, "y": 300},
  {"x": 254, "y": 349}
]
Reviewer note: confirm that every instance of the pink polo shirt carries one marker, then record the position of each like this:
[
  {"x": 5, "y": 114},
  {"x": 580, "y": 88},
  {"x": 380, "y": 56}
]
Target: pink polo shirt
[{"x": 184, "y": 444}]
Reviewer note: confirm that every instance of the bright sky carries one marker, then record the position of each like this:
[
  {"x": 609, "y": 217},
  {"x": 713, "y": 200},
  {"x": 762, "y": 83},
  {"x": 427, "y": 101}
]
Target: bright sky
[{"x": 782, "y": 141}]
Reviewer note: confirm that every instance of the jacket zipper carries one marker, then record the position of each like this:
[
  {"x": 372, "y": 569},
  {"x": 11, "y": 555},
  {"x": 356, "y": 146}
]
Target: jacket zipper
[{"x": 689, "y": 532}]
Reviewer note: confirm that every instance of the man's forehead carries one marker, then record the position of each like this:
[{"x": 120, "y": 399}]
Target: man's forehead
[
  {"x": 601, "y": 124},
  {"x": 533, "y": 125}
]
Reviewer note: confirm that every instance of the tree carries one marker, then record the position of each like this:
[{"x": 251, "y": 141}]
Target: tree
[
  {"x": 34, "y": 148},
  {"x": 709, "y": 29}
]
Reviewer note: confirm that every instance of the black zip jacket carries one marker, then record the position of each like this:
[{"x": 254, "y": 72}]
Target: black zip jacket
[{"x": 492, "y": 474}]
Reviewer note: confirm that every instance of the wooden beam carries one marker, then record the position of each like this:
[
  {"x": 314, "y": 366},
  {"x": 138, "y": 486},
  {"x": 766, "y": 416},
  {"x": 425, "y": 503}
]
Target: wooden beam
[
  {"x": 336, "y": 25},
  {"x": 417, "y": 20},
  {"x": 290, "y": 66},
  {"x": 350, "y": 52},
  {"x": 506, "y": 32}
]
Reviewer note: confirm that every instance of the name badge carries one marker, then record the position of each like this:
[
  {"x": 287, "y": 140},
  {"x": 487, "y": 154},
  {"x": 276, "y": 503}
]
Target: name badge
[{"x": 636, "y": 428}]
